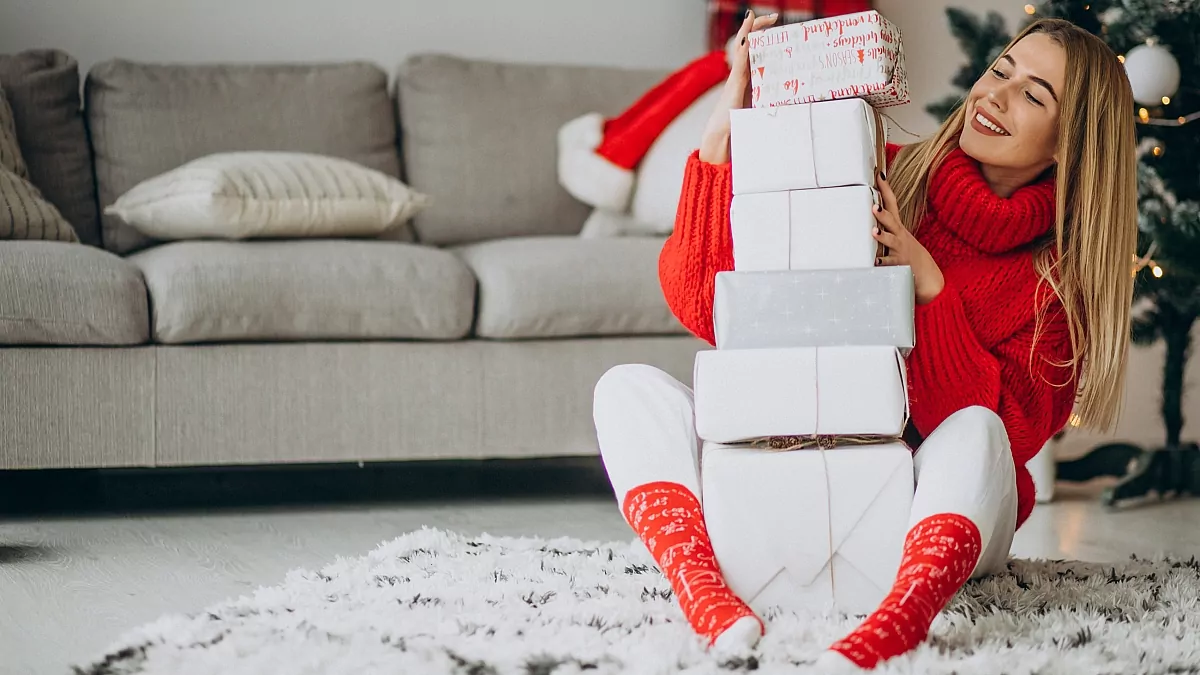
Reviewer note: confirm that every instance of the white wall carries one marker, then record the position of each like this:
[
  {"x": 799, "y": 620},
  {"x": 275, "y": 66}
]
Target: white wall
[
  {"x": 650, "y": 33},
  {"x": 631, "y": 33}
]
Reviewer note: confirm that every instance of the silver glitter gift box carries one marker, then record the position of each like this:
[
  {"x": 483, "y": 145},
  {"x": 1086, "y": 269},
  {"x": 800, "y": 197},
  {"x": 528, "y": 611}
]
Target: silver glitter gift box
[{"x": 817, "y": 308}]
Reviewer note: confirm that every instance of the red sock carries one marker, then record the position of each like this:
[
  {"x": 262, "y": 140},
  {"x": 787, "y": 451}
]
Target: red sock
[
  {"x": 668, "y": 519},
  {"x": 940, "y": 553}
]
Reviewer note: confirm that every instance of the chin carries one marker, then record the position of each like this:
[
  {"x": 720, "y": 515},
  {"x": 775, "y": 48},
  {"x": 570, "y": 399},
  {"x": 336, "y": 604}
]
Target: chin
[{"x": 980, "y": 148}]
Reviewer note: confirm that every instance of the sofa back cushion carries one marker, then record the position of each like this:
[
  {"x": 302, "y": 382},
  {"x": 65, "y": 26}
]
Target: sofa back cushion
[
  {"x": 148, "y": 119},
  {"x": 42, "y": 86},
  {"x": 480, "y": 138}
]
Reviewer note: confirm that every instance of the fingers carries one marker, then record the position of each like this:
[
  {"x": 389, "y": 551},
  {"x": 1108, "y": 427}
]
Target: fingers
[
  {"x": 739, "y": 76},
  {"x": 747, "y": 26},
  {"x": 886, "y": 238},
  {"x": 765, "y": 21},
  {"x": 889, "y": 261},
  {"x": 887, "y": 220},
  {"x": 885, "y": 192}
]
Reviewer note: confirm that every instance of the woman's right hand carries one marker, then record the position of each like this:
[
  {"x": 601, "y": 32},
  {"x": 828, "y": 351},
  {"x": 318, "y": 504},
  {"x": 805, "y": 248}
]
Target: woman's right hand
[{"x": 714, "y": 146}]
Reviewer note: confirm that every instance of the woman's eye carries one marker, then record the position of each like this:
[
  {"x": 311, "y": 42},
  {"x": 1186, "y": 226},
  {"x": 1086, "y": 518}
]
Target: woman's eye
[
  {"x": 997, "y": 73},
  {"x": 1032, "y": 99}
]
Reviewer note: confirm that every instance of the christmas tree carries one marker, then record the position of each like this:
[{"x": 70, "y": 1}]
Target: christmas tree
[{"x": 1156, "y": 40}]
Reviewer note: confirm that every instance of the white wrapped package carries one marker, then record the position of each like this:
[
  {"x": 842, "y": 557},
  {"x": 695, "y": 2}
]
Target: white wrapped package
[
  {"x": 801, "y": 147},
  {"x": 804, "y": 229},
  {"x": 808, "y": 531},
  {"x": 746, "y": 395},
  {"x": 818, "y": 308},
  {"x": 858, "y": 55}
]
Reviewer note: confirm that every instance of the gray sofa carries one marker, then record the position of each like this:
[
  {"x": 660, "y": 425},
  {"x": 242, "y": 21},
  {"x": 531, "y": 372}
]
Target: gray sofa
[{"x": 478, "y": 332}]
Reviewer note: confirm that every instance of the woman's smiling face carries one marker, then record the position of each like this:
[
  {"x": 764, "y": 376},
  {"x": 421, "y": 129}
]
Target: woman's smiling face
[{"x": 1012, "y": 111}]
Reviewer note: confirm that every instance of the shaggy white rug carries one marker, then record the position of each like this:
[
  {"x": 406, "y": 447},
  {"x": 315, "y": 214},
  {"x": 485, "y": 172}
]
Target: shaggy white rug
[{"x": 436, "y": 602}]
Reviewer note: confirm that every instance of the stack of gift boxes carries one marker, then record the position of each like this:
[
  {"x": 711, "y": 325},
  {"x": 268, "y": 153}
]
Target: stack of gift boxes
[{"x": 807, "y": 487}]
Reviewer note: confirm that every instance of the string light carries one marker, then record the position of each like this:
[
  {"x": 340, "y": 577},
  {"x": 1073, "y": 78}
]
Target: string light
[
  {"x": 1121, "y": 58},
  {"x": 1158, "y": 151},
  {"x": 1166, "y": 100},
  {"x": 1156, "y": 271},
  {"x": 1160, "y": 122},
  {"x": 1030, "y": 9}
]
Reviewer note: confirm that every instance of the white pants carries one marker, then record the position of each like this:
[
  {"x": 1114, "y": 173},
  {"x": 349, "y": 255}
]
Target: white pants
[{"x": 645, "y": 423}]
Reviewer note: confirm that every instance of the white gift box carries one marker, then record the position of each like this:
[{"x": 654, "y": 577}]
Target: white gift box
[
  {"x": 819, "y": 308},
  {"x": 810, "y": 530},
  {"x": 745, "y": 395},
  {"x": 800, "y": 147},
  {"x": 858, "y": 55},
  {"x": 804, "y": 229}
]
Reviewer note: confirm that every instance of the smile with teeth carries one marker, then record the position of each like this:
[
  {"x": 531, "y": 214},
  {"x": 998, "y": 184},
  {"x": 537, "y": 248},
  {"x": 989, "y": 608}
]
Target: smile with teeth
[{"x": 988, "y": 123}]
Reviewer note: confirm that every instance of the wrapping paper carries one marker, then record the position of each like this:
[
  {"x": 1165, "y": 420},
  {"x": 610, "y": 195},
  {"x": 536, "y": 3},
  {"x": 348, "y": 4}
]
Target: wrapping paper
[
  {"x": 821, "y": 229},
  {"x": 856, "y": 55},
  {"x": 821, "y": 308},
  {"x": 743, "y": 395},
  {"x": 811, "y": 530},
  {"x": 799, "y": 147}
]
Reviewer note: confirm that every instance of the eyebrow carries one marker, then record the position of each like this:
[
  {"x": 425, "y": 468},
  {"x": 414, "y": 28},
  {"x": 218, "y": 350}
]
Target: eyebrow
[{"x": 1035, "y": 78}]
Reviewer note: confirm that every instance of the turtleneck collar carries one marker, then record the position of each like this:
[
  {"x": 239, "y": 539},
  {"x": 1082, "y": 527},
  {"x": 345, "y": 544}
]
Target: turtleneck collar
[{"x": 962, "y": 201}]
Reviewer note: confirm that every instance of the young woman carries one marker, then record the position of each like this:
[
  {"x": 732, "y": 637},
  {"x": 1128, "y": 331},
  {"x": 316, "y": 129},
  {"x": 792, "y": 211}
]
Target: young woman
[{"x": 1018, "y": 219}]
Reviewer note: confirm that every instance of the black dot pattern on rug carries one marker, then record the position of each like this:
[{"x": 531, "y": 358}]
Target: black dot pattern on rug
[{"x": 441, "y": 603}]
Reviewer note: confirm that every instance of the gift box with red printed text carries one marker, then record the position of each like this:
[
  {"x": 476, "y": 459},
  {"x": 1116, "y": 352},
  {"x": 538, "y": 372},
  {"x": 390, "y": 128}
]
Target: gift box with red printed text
[{"x": 856, "y": 55}]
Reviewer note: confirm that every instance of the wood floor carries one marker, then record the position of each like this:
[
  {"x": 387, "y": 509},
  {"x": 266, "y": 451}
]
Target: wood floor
[{"x": 85, "y": 556}]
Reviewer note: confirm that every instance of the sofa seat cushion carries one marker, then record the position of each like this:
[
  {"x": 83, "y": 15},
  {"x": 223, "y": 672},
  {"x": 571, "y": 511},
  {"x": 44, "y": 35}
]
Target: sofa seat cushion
[
  {"x": 218, "y": 291},
  {"x": 57, "y": 293},
  {"x": 553, "y": 287}
]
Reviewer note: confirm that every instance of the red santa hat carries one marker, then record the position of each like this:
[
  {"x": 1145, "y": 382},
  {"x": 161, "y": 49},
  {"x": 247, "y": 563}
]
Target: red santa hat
[{"x": 597, "y": 156}]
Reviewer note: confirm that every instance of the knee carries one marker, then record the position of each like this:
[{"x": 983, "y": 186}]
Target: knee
[
  {"x": 627, "y": 383},
  {"x": 981, "y": 430}
]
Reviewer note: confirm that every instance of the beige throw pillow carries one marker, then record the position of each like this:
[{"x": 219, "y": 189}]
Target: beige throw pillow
[
  {"x": 244, "y": 195},
  {"x": 24, "y": 213}
]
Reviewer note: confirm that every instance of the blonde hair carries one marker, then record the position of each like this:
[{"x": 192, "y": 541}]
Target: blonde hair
[{"x": 1095, "y": 232}]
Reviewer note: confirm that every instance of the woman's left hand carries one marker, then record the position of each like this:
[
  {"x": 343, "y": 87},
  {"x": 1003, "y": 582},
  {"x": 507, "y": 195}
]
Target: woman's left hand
[{"x": 903, "y": 247}]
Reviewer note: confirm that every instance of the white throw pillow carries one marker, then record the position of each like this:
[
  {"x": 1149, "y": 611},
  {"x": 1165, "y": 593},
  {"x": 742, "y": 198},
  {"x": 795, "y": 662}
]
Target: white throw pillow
[
  {"x": 659, "y": 178},
  {"x": 660, "y": 173},
  {"x": 242, "y": 195}
]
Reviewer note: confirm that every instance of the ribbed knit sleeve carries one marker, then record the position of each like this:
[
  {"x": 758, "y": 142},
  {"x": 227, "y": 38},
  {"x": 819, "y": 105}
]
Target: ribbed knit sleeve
[
  {"x": 948, "y": 365},
  {"x": 700, "y": 246}
]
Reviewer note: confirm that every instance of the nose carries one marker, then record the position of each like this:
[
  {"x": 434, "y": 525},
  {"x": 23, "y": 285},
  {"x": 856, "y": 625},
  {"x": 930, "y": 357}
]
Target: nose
[{"x": 998, "y": 97}]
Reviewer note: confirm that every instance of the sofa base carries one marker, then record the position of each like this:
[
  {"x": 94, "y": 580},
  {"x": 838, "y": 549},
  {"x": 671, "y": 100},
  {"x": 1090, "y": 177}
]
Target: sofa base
[{"x": 275, "y": 403}]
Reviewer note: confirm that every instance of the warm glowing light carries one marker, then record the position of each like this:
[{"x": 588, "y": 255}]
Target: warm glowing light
[
  {"x": 1158, "y": 151},
  {"x": 1166, "y": 100},
  {"x": 1157, "y": 271},
  {"x": 1144, "y": 114},
  {"x": 1121, "y": 58},
  {"x": 1030, "y": 9}
]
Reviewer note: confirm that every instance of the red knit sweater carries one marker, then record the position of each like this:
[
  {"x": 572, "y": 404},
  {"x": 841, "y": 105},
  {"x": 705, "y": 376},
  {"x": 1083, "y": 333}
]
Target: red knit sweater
[{"x": 974, "y": 341}]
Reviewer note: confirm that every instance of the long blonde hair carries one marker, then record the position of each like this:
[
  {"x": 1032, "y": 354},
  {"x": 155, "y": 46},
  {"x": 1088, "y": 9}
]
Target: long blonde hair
[{"x": 1095, "y": 232}]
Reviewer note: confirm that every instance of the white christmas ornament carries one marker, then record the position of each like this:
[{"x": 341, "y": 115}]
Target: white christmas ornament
[{"x": 1153, "y": 73}]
